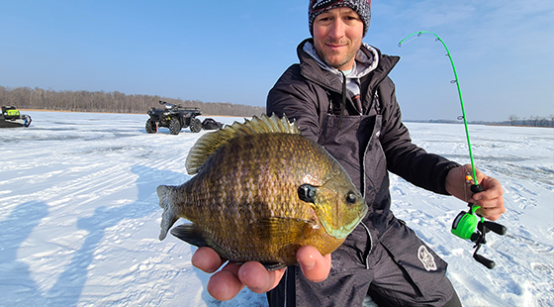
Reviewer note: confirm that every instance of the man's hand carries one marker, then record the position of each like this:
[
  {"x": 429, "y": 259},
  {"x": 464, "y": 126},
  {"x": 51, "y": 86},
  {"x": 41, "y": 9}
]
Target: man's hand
[
  {"x": 231, "y": 279},
  {"x": 490, "y": 200}
]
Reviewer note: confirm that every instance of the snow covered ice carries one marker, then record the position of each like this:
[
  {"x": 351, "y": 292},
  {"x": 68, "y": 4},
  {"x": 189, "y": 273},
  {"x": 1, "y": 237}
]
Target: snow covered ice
[{"x": 79, "y": 214}]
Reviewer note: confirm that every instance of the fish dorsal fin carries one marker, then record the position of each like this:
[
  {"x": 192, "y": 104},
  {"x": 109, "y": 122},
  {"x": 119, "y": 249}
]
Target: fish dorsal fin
[{"x": 210, "y": 142}]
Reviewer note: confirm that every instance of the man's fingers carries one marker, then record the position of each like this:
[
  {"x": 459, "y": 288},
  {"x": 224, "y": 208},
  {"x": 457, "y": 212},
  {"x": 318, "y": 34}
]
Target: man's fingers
[
  {"x": 231, "y": 279},
  {"x": 225, "y": 285},
  {"x": 206, "y": 259},
  {"x": 492, "y": 189},
  {"x": 492, "y": 214},
  {"x": 314, "y": 266},
  {"x": 491, "y": 203},
  {"x": 257, "y": 278}
]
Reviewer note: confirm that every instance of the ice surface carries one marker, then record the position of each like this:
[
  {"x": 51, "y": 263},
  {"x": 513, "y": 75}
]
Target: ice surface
[{"x": 79, "y": 215}]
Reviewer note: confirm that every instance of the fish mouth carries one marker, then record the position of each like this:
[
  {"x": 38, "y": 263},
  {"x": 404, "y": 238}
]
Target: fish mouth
[{"x": 347, "y": 227}]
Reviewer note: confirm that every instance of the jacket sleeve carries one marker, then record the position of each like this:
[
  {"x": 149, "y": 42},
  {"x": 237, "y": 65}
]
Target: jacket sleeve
[
  {"x": 294, "y": 98},
  {"x": 404, "y": 158}
]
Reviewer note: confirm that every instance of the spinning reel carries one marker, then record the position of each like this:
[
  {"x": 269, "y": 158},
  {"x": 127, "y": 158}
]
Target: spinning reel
[{"x": 470, "y": 226}]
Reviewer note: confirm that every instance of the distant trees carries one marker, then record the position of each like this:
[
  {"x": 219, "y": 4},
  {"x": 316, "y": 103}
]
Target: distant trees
[
  {"x": 113, "y": 102},
  {"x": 117, "y": 102},
  {"x": 534, "y": 121}
]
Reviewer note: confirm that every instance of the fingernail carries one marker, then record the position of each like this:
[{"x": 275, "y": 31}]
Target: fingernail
[{"x": 308, "y": 265}]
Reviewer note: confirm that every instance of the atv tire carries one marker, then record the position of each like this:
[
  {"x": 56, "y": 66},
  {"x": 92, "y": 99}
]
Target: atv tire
[
  {"x": 195, "y": 125},
  {"x": 174, "y": 126},
  {"x": 150, "y": 126}
]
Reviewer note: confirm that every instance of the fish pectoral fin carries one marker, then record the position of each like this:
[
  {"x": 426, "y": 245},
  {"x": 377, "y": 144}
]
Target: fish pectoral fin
[
  {"x": 189, "y": 234},
  {"x": 273, "y": 266},
  {"x": 281, "y": 227}
]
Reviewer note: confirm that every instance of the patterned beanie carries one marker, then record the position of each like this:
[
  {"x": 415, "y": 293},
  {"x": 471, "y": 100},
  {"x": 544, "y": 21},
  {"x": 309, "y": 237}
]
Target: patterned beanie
[{"x": 362, "y": 7}]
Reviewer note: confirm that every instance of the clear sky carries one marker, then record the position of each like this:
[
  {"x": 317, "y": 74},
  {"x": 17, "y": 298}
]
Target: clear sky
[{"x": 234, "y": 51}]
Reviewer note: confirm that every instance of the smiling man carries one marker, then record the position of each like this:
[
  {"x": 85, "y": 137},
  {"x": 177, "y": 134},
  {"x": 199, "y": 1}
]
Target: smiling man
[
  {"x": 338, "y": 36},
  {"x": 342, "y": 98}
]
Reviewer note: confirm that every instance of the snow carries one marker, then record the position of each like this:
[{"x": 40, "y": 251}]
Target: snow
[{"x": 79, "y": 215}]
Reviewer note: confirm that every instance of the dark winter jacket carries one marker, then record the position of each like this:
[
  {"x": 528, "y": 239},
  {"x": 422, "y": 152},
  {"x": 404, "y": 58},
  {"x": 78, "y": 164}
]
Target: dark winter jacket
[{"x": 312, "y": 96}]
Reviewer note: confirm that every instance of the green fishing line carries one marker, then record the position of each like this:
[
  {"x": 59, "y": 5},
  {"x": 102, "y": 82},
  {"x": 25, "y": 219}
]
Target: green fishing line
[{"x": 459, "y": 94}]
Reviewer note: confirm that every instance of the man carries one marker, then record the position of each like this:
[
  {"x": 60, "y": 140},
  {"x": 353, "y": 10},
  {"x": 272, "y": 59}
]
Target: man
[{"x": 341, "y": 97}]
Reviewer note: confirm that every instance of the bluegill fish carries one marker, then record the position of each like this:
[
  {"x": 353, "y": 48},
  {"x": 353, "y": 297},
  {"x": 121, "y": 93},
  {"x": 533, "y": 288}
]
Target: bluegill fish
[{"x": 261, "y": 192}]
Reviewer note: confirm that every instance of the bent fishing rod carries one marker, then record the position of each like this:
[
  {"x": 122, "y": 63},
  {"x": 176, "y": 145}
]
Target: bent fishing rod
[{"x": 468, "y": 225}]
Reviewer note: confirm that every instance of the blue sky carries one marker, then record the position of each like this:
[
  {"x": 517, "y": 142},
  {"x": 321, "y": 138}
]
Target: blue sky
[{"x": 234, "y": 51}]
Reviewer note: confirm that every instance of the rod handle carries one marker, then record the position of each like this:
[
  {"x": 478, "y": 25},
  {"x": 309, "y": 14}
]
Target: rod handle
[{"x": 476, "y": 188}]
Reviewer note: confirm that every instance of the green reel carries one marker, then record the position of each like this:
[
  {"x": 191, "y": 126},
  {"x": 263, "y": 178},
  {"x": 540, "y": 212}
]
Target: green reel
[
  {"x": 466, "y": 223},
  {"x": 470, "y": 226}
]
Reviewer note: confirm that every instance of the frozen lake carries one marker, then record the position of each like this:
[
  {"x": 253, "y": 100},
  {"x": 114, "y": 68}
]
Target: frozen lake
[{"x": 79, "y": 214}]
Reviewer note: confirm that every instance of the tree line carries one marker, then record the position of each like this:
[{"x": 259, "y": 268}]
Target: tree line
[
  {"x": 110, "y": 102},
  {"x": 534, "y": 121},
  {"x": 117, "y": 102}
]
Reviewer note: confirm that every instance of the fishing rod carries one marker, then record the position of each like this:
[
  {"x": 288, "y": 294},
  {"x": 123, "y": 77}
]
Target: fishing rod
[{"x": 468, "y": 225}]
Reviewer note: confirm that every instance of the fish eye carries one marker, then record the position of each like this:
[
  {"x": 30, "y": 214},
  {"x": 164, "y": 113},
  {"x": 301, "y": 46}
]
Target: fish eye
[
  {"x": 307, "y": 193},
  {"x": 351, "y": 198}
]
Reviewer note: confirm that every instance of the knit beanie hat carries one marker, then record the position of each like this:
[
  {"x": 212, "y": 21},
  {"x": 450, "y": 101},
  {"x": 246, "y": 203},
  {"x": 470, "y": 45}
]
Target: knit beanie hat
[{"x": 362, "y": 7}]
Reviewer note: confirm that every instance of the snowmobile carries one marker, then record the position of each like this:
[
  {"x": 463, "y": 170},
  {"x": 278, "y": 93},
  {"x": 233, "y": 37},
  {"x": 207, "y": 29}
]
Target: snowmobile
[
  {"x": 211, "y": 124},
  {"x": 11, "y": 118}
]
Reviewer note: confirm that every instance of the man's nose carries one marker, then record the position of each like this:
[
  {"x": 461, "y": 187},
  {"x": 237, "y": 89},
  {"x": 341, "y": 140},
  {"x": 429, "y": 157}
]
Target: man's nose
[{"x": 337, "y": 29}]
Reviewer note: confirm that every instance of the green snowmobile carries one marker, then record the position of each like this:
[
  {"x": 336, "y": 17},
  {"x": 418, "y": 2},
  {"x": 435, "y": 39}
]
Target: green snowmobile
[{"x": 11, "y": 118}]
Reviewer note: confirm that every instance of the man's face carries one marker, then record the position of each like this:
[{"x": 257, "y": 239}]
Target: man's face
[{"x": 338, "y": 35}]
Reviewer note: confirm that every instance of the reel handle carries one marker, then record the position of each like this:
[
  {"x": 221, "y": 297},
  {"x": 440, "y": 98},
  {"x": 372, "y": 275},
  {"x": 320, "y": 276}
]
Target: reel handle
[
  {"x": 495, "y": 227},
  {"x": 484, "y": 261}
]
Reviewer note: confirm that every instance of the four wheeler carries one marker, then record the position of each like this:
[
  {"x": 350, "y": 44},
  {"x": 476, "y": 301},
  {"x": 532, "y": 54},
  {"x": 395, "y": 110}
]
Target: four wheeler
[
  {"x": 11, "y": 118},
  {"x": 174, "y": 117}
]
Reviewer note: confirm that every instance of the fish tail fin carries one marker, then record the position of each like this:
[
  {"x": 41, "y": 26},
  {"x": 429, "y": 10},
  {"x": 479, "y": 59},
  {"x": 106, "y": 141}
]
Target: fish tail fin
[{"x": 168, "y": 216}]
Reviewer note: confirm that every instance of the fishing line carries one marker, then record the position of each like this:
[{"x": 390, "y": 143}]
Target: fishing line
[{"x": 457, "y": 81}]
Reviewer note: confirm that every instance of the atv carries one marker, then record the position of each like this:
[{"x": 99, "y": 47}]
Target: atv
[
  {"x": 11, "y": 118},
  {"x": 175, "y": 117}
]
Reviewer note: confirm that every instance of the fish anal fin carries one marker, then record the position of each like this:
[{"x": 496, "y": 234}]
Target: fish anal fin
[
  {"x": 274, "y": 266},
  {"x": 189, "y": 234}
]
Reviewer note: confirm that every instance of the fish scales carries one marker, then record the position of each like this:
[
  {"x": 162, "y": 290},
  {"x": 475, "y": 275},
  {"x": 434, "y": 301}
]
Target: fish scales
[
  {"x": 244, "y": 202},
  {"x": 254, "y": 167}
]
